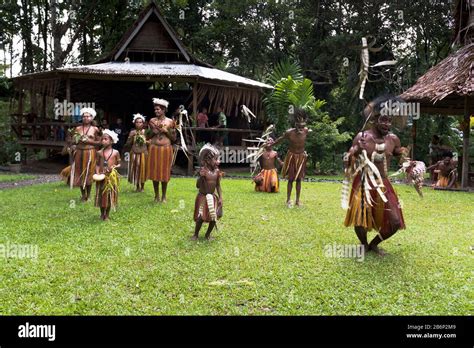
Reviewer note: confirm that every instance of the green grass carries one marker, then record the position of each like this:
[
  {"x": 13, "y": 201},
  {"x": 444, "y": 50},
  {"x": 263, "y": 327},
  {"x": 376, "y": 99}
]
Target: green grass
[
  {"x": 15, "y": 177},
  {"x": 266, "y": 259},
  {"x": 247, "y": 174}
]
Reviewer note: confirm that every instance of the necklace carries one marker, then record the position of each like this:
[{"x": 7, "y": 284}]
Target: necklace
[
  {"x": 378, "y": 155},
  {"x": 86, "y": 133},
  {"x": 267, "y": 155},
  {"x": 106, "y": 161}
]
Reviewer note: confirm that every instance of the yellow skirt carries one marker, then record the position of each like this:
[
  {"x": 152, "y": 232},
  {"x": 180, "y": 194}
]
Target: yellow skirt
[
  {"x": 137, "y": 168},
  {"x": 270, "y": 181}
]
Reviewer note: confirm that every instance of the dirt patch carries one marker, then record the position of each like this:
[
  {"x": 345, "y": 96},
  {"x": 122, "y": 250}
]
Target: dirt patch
[{"x": 39, "y": 179}]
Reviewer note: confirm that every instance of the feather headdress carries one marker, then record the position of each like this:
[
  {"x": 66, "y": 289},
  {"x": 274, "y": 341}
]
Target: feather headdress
[
  {"x": 162, "y": 102},
  {"x": 90, "y": 111},
  {"x": 111, "y": 134},
  {"x": 137, "y": 116},
  {"x": 207, "y": 151}
]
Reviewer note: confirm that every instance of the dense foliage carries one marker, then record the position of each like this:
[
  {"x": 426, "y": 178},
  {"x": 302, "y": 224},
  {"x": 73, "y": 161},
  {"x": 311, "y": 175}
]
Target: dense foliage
[{"x": 250, "y": 37}]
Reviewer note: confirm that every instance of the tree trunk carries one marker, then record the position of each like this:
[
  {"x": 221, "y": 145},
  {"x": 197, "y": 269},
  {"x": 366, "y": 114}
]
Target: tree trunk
[
  {"x": 26, "y": 31},
  {"x": 56, "y": 35}
]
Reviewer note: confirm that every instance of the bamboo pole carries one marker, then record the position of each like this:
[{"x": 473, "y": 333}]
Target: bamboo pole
[{"x": 465, "y": 145}]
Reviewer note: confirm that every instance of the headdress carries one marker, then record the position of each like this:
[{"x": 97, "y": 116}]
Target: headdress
[
  {"x": 90, "y": 111},
  {"x": 162, "y": 102},
  {"x": 269, "y": 141},
  {"x": 300, "y": 115},
  {"x": 137, "y": 116},
  {"x": 207, "y": 151},
  {"x": 385, "y": 105},
  {"x": 111, "y": 134}
]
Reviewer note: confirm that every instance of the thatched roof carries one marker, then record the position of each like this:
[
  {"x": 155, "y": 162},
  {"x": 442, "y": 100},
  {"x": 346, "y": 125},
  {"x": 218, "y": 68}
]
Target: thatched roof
[{"x": 446, "y": 85}]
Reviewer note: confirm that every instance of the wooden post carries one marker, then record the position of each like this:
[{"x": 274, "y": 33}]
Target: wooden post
[
  {"x": 20, "y": 102},
  {"x": 68, "y": 98},
  {"x": 19, "y": 118},
  {"x": 191, "y": 157},
  {"x": 413, "y": 134},
  {"x": 465, "y": 145},
  {"x": 195, "y": 87}
]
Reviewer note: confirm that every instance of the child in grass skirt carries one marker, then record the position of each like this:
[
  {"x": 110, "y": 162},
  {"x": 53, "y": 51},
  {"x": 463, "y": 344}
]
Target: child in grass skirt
[
  {"x": 208, "y": 205},
  {"x": 107, "y": 177},
  {"x": 138, "y": 153}
]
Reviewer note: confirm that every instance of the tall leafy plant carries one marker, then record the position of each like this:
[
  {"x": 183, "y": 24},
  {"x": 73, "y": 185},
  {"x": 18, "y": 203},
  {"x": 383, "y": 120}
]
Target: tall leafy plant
[{"x": 291, "y": 91}]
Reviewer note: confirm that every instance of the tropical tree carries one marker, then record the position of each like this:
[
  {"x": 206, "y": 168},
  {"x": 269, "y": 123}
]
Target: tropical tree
[{"x": 292, "y": 91}]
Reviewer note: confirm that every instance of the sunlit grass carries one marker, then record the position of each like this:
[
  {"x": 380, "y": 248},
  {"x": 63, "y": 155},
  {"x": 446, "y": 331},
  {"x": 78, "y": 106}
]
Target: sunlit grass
[{"x": 266, "y": 259}]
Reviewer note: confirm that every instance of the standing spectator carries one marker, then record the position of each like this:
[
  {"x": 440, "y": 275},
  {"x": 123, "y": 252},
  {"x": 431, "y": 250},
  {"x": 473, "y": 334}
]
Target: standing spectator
[
  {"x": 223, "y": 137},
  {"x": 202, "y": 122},
  {"x": 435, "y": 155},
  {"x": 104, "y": 124},
  {"x": 120, "y": 130},
  {"x": 202, "y": 119},
  {"x": 60, "y": 131}
]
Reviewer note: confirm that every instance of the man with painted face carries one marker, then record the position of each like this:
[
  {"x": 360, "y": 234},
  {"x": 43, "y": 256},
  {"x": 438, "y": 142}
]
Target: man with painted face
[
  {"x": 294, "y": 166},
  {"x": 373, "y": 202}
]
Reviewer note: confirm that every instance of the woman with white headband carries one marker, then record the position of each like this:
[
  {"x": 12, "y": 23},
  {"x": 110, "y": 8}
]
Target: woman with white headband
[
  {"x": 83, "y": 141},
  {"x": 138, "y": 153},
  {"x": 160, "y": 151}
]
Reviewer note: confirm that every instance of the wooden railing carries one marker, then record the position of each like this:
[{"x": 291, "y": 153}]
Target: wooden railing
[{"x": 35, "y": 132}]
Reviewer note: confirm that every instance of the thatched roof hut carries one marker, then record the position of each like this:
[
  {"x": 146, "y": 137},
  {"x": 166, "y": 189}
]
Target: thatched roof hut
[
  {"x": 149, "y": 61},
  {"x": 443, "y": 87},
  {"x": 448, "y": 87}
]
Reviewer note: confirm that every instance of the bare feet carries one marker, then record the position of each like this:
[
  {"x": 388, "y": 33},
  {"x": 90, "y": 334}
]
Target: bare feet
[{"x": 379, "y": 251}]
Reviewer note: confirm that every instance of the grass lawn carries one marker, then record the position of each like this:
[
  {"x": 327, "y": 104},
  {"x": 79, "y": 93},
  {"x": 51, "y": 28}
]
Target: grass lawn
[
  {"x": 266, "y": 259},
  {"x": 15, "y": 177},
  {"x": 247, "y": 174}
]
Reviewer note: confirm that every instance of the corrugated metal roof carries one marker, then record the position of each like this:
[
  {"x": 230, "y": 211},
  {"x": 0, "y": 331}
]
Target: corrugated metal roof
[{"x": 163, "y": 69}]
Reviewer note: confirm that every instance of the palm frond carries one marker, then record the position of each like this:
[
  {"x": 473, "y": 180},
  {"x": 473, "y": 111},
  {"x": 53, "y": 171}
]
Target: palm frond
[{"x": 283, "y": 70}]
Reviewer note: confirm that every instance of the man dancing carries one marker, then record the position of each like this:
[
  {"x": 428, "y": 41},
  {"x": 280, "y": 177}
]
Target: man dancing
[
  {"x": 373, "y": 202},
  {"x": 160, "y": 152},
  {"x": 294, "y": 166}
]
